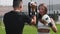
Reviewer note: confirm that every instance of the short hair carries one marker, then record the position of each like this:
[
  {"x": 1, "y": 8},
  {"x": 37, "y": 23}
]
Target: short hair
[
  {"x": 16, "y": 3},
  {"x": 44, "y": 5}
]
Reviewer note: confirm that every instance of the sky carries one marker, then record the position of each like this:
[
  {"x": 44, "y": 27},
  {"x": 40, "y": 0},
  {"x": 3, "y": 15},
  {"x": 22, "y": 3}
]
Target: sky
[{"x": 25, "y": 2}]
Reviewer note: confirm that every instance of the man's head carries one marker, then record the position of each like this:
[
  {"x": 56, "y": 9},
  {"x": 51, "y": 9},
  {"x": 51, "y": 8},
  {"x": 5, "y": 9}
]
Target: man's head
[
  {"x": 17, "y": 4},
  {"x": 42, "y": 9}
]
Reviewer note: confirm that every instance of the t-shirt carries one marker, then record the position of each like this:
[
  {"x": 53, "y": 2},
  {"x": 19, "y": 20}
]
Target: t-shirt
[{"x": 14, "y": 22}]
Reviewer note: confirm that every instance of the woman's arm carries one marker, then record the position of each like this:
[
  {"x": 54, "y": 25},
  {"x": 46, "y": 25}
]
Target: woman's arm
[
  {"x": 51, "y": 24},
  {"x": 54, "y": 28},
  {"x": 47, "y": 20}
]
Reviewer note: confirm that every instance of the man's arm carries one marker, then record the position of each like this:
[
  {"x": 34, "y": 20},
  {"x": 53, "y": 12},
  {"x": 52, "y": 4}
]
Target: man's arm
[
  {"x": 33, "y": 21},
  {"x": 30, "y": 20}
]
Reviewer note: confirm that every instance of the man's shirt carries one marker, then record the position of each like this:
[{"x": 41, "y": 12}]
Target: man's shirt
[{"x": 14, "y": 22}]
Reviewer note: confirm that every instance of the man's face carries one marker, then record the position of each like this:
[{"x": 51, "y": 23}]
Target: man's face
[{"x": 41, "y": 10}]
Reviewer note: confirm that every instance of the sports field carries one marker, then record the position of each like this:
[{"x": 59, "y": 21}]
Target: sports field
[{"x": 29, "y": 29}]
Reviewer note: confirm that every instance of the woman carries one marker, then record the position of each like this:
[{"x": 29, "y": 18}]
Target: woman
[{"x": 44, "y": 21}]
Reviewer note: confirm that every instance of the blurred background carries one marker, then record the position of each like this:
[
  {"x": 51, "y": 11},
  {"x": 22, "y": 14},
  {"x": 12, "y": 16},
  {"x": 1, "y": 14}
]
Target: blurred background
[
  {"x": 53, "y": 11},
  {"x": 53, "y": 7}
]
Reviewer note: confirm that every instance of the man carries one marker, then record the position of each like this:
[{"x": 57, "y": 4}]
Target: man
[{"x": 14, "y": 20}]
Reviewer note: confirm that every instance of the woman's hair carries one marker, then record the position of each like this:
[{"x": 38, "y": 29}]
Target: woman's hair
[{"x": 43, "y": 5}]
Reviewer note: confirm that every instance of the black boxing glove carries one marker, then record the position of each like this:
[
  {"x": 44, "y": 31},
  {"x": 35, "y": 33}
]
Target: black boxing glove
[
  {"x": 33, "y": 14},
  {"x": 50, "y": 24}
]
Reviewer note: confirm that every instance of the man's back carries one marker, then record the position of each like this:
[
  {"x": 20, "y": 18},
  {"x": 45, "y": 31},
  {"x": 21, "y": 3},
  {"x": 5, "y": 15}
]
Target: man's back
[{"x": 14, "y": 22}]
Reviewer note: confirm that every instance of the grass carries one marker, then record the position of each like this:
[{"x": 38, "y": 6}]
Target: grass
[
  {"x": 2, "y": 30},
  {"x": 58, "y": 28},
  {"x": 30, "y": 30}
]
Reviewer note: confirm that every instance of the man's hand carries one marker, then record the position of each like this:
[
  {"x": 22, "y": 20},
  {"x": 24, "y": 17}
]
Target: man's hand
[{"x": 33, "y": 20}]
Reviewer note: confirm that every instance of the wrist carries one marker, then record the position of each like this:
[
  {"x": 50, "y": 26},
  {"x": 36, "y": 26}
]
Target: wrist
[{"x": 50, "y": 24}]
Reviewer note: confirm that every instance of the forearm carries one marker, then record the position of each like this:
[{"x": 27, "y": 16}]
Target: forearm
[
  {"x": 51, "y": 24},
  {"x": 54, "y": 29},
  {"x": 42, "y": 21},
  {"x": 33, "y": 20}
]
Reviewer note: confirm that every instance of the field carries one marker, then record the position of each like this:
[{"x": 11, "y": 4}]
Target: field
[{"x": 30, "y": 29}]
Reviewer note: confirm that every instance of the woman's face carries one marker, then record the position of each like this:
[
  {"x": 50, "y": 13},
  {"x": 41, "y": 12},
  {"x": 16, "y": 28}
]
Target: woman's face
[{"x": 41, "y": 10}]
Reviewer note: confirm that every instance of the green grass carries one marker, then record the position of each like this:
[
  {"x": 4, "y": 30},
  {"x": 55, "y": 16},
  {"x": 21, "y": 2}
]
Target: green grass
[
  {"x": 58, "y": 28},
  {"x": 30, "y": 30},
  {"x": 2, "y": 30}
]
